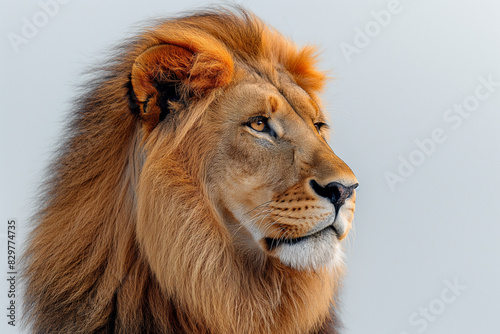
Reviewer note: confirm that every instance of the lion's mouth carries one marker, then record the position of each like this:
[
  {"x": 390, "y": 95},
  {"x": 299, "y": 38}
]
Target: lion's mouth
[{"x": 273, "y": 243}]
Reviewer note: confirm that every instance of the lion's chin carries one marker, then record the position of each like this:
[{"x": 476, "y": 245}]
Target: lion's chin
[{"x": 322, "y": 249}]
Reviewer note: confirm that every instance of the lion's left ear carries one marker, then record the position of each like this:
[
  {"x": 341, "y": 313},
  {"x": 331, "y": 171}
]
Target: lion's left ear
[{"x": 167, "y": 73}]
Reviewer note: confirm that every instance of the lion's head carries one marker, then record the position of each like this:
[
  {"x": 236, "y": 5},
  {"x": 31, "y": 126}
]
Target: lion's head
[
  {"x": 197, "y": 192},
  {"x": 281, "y": 189}
]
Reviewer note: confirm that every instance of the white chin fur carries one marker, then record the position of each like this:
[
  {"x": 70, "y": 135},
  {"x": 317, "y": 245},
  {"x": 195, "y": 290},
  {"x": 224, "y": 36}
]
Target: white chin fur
[{"x": 313, "y": 253}]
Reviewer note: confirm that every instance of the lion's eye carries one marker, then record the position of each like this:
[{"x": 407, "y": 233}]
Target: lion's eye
[
  {"x": 259, "y": 124},
  {"x": 320, "y": 125}
]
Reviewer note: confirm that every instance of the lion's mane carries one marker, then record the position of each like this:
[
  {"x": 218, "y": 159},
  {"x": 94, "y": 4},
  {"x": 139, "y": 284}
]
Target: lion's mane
[{"x": 85, "y": 268}]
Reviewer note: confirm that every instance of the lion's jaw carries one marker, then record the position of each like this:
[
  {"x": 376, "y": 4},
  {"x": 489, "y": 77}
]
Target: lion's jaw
[
  {"x": 303, "y": 244},
  {"x": 266, "y": 182},
  {"x": 321, "y": 245}
]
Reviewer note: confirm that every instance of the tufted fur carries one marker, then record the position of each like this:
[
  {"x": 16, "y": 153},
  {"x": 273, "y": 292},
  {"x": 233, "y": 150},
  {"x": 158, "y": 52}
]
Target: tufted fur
[{"x": 132, "y": 235}]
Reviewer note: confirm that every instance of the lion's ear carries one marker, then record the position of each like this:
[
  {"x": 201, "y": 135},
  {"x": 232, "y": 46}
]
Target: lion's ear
[{"x": 167, "y": 73}]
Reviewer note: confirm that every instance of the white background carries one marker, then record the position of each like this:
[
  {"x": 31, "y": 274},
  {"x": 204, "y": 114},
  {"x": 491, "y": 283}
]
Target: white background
[{"x": 438, "y": 224}]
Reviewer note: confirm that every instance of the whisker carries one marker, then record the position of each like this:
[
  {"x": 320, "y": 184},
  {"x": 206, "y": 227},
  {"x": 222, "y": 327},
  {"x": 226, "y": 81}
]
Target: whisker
[{"x": 258, "y": 206}]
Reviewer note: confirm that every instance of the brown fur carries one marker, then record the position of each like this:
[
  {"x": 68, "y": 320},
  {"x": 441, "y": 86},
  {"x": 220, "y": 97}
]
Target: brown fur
[{"x": 134, "y": 234}]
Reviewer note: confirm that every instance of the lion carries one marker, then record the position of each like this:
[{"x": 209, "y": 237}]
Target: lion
[{"x": 195, "y": 192}]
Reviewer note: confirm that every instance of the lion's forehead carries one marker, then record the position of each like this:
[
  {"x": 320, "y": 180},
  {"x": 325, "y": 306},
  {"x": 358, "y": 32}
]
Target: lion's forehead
[{"x": 256, "y": 91}]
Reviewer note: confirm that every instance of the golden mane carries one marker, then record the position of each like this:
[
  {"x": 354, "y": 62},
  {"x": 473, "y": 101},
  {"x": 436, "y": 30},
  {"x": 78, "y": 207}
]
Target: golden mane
[{"x": 86, "y": 270}]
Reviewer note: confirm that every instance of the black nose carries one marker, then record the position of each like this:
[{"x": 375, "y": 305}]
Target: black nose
[{"x": 337, "y": 193}]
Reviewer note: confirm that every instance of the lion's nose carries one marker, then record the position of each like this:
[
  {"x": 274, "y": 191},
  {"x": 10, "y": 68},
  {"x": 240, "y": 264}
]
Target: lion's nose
[{"x": 336, "y": 192}]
